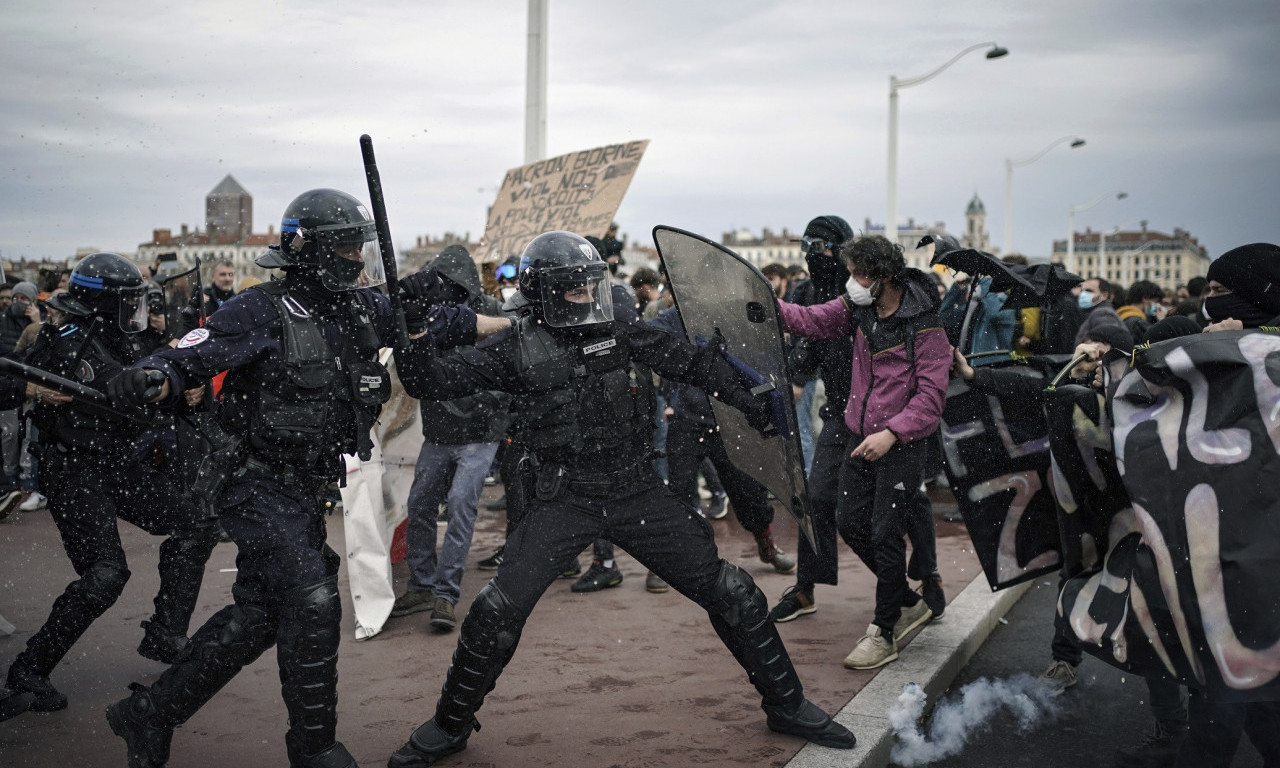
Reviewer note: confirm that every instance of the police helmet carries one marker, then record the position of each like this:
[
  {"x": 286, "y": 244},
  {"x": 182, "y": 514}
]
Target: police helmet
[
  {"x": 563, "y": 276},
  {"x": 331, "y": 235},
  {"x": 109, "y": 286}
]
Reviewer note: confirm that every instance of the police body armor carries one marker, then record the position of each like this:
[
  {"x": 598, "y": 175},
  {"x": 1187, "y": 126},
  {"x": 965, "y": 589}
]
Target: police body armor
[
  {"x": 587, "y": 413},
  {"x": 316, "y": 404},
  {"x": 91, "y": 359}
]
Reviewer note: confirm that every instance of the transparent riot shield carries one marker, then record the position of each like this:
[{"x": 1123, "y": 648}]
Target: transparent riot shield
[{"x": 714, "y": 288}]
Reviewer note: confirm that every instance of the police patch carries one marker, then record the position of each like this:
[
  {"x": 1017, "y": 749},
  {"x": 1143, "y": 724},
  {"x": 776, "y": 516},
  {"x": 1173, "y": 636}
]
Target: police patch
[
  {"x": 599, "y": 346},
  {"x": 84, "y": 371},
  {"x": 193, "y": 338}
]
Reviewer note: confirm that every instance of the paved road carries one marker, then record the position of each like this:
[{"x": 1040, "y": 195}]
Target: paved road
[{"x": 1106, "y": 710}]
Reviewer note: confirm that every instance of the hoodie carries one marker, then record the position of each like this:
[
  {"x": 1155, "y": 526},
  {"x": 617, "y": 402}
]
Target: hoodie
[{"x": 887, "y": 391}]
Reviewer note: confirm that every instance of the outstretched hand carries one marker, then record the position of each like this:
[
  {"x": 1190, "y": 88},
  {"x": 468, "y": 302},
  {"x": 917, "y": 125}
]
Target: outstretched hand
[{"x": 137, "y": 386}]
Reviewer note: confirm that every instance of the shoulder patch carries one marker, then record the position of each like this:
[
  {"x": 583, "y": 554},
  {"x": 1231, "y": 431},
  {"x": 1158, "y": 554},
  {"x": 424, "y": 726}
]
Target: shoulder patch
[
  {"x": 194, "y": 337},
  {"x": 85, "y": 371}
]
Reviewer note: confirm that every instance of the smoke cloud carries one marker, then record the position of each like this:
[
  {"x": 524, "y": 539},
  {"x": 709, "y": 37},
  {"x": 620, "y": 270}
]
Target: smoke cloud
[{"x": 959, "y": 716}]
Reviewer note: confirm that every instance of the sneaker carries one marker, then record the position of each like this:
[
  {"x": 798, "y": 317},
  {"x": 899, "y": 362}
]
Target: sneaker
[
  {"x": 597, "y": 578},
  {"x": 9, "y": 501},
  {"x": 718, "y": 507},
  {"x": 795, "y": 602},
  {"x": 490, "y": 481},
  {"x": 159, "y": 644},
  {"x": 428, "y": 744},
  {"x": 911, "y": 617},
  {"x": 1060, "y": 676},
  {"x": 572, "y": 571},
  {"x": 769, "y": 553},
  {"x": 1157, "y": 749},
  {"x": 872, "y": 651},
  {"x": 47, "y": 698},
  {"x": 35, "y": 501},
  {"x": 931, "y": 591},
  {"x": 442, "y": 618},
  {"x": 413, "y": 602},
  {"x": 498, "y": 505},
  {"x": 13, "y": 703},
  {"x": 492, "y": 562},
  {"x": 654, "y": 583},
  {"x": 811, "y": 723}
]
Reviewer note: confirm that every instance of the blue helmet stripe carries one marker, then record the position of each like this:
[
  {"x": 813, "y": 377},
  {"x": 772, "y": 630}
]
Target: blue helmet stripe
[{"x": 86, "y": 281}]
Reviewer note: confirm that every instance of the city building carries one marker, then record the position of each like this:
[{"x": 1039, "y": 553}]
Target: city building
[
  {"x": 767, "y": 248},
  {"x": 909, "y": 236},
  {"x": 1124, "y": 257}
]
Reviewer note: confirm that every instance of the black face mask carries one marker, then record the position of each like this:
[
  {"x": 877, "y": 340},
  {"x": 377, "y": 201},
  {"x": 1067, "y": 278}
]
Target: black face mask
[{"x": 1219, "y": 308}]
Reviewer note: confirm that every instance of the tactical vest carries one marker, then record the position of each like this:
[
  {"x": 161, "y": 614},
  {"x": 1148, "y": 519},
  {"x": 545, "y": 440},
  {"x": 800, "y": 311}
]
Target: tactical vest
[
  {"x": 583, "y": 397},
  {"x": 315, "y": 404},
  {"x": 80, "y": 355}
]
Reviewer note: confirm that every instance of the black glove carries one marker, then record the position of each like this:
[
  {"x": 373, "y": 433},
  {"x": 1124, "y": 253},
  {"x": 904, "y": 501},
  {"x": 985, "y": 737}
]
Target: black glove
[
  {"x": 758, "y": 410},
  {"x": 135, "y": 386},
  {"x": 419, "y": 292}
]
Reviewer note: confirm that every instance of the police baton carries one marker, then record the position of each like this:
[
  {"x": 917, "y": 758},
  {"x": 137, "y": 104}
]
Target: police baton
[
  {"x": 384, "y": 239},
  {"x": 86, "y": 396}
]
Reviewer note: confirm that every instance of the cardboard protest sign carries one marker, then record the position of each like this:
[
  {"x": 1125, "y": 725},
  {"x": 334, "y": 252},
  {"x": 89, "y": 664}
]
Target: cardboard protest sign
[{"x": 578, "y": 192}]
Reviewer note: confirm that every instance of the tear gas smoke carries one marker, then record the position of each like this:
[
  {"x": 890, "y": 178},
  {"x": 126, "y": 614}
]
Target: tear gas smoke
[{"x": 961, "y": 715}]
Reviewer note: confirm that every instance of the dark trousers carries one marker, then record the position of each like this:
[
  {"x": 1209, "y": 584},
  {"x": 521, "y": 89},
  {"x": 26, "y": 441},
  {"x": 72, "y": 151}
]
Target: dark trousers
[
  {"x": 876, "y": 501},
  {"x": 1215, "y": 727},
  {"x": 86, "y": 497},
  {"x": 688, "y": 443},
  {"x": 821, "y": 566}
]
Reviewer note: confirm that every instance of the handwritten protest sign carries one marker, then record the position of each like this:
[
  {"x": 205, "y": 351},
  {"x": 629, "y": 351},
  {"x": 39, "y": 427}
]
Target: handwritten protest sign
[{"x": 578, "y": 192}]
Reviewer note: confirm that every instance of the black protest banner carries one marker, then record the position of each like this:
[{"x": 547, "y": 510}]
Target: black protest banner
[
  {"x": 578, "y": 192},
  {"x": 1189, "y": 588},
  {"x": 995, "y": 451}
]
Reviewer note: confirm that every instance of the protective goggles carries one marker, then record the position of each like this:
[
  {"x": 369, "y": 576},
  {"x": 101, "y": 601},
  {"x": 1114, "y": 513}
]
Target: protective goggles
[
  {"x": 810, "y": 244},
  {"x": 505, "y": 272}
]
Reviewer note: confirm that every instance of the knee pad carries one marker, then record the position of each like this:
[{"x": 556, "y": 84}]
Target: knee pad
[
  {"x": 736, "y": 599},
  {"x": 101, "y": 584},
  {"x": 314, "y": 604},
  {"x": 237, "y": 634},
  {"x": 493, "y": 615}
]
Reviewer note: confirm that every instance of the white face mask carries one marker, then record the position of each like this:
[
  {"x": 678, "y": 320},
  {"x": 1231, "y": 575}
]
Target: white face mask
[
  {"x": 858, "y": 294},
  {"x": 508, "y": 291}
]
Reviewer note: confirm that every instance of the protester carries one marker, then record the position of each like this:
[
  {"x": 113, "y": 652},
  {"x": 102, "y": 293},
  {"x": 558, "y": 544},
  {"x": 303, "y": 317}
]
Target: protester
[
  {"x": 897, "y": 391},
  {"x": 1094, "y": 300},
  {"x": 1143, "y": 307}
]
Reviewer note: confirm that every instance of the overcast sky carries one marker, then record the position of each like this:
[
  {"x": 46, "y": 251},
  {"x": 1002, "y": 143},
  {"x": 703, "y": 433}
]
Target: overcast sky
[{"x": 119, "y": 118}]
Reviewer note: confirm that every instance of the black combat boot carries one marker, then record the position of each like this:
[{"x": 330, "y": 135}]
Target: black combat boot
[
  {"x": 146, "y": 733},
  {"x": 182, "y": 560}
]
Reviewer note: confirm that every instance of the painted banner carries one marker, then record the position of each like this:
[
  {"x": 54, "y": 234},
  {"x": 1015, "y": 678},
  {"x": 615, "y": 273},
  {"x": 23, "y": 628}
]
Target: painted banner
[
  {"x": 578, "y": 192},
  {"x": 1189, "y": 587},
  {"x": 995, "y": 451}
]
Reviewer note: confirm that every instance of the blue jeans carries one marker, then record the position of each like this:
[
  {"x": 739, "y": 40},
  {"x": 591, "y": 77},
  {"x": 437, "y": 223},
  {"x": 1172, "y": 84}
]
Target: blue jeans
[
  {"x": 804, "y": 421},
  {"x": 452, "y": 473}
]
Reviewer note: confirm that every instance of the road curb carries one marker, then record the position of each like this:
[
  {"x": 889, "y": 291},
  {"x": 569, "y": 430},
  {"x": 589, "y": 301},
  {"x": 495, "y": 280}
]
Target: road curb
[{"x": 932, "y": 660}]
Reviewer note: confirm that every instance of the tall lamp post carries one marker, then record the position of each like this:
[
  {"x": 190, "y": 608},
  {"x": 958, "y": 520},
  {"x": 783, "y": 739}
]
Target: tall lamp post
[
  {"x": 1006, "y": 245},
  {"x": 891, "y": 223},
  {"x": 535, "y": 89},
  {"x": 1071, "y": 224}
]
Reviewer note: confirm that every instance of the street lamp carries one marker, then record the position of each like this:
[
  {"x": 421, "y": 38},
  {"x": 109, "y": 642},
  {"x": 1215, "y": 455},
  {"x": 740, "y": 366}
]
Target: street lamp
[
  {"x": 1071, "y": 224},
  {"x": 891, "y": 223},
  {"x": 1009, "y": 164}
]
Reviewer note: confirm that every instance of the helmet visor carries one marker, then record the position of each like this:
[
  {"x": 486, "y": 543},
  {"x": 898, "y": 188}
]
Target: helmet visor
[
  {"x": 133, "y": 309},
  {"x": 576, "y": 295},
  {"x": 349, "y": 256}
]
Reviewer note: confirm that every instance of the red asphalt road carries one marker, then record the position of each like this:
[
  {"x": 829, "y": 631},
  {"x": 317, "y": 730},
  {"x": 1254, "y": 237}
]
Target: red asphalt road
[{"x": 616, "y": 678}]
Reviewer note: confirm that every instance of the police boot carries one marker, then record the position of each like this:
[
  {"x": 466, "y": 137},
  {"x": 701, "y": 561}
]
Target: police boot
[
  {"x": 307, "y": 651},
  {"x": 486, "y": 643},
  {"x": 230, "y": 639},
  {"x": 740, "y": 615},
  {"x": 336, "y": 756},
  {"x": 83, "y": 601},
  {"x": 13, "y": 704},
  {"x": 182, "y": 560}
]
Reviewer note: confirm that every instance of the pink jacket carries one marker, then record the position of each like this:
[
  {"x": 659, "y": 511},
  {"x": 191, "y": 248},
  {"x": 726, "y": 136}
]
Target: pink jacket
[{"x": 881, "y": 383}]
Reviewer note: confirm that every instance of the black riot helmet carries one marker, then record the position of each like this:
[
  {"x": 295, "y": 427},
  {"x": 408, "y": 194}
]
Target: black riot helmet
[
  {"x": 109, "y": 286},
  {"x": 328, "y": 234},
  {"x": 563, "y": 277}
]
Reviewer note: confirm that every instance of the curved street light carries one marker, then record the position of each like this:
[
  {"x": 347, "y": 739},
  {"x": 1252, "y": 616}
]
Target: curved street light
[
  {"x": 891, "y": 223},
  {"x": 1006, "y": 245},
  {"x": 1071, "y": 224}
]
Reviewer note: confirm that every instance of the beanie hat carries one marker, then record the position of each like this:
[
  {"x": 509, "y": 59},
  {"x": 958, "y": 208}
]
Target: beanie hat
[
  {"x": 26, "y": 288},
  {"x": 1170, "y": 328},
  {"x": 831, "y": 229},
  {"x": 1252, "y": 272},
  {"x": 1115, "y": 336}
]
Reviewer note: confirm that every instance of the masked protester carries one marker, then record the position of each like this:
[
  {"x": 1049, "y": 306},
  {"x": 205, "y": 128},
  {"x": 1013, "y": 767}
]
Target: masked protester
[
  {"x": 90, "y": 470},
  {"x": 1244, "y": 286},
  {"x": 303, "y": 387},
  {"x": 585, "y": 421}
]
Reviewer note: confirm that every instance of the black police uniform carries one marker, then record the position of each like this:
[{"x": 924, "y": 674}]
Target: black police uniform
[
  {"x": 90, "y": 471},
  {"x": 589, "y": 430}
]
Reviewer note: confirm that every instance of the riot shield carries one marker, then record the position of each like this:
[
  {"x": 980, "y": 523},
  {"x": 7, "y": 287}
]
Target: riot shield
[
  {"x": 178, "y": 290},
  {"x": 715, "y": 289}
]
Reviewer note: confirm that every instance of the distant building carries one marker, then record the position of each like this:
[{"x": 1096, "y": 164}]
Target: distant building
[
  {"x": 768, "y": 247},
  {"x": 427, "y": 247},
  {"x": 909, "y": 237},
  {"x": 228, "y": 234},
  {"x": 1128, "y": 256},
  {"x": 975, "y": 226}
]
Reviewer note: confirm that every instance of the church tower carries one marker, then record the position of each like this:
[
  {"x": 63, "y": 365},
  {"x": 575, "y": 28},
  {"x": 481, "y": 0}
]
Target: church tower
[{"x": 975, "y": 226}]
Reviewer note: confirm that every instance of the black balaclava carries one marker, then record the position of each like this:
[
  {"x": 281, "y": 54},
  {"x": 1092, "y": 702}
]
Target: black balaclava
[{"x": 1252, "y": 272}]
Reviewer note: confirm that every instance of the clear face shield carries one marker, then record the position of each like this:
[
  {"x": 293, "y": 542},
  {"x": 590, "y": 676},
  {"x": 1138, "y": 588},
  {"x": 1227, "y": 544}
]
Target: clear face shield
[
  {"x": 133, "y": 309},
  {"x": 576, "y": 296},
  {"x": 349, "y": 257}
]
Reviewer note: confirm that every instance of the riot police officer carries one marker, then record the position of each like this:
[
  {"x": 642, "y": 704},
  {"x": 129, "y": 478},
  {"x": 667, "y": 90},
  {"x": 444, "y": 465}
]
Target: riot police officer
[
  {"x": 587, "y": 426},
  {"x": 303, "y": 387},
  {"x": 91, "y": 476}
]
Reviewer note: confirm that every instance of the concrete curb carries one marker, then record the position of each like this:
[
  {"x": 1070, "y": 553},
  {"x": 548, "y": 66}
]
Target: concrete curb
[{"x": 932, "y": 660}]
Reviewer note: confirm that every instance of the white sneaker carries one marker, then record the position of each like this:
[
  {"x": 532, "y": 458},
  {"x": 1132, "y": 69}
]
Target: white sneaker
[
  {"x": 911, "y": 618},
  {"x": 35, "y": 501},
  {"x": 872, "y": 651}
]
